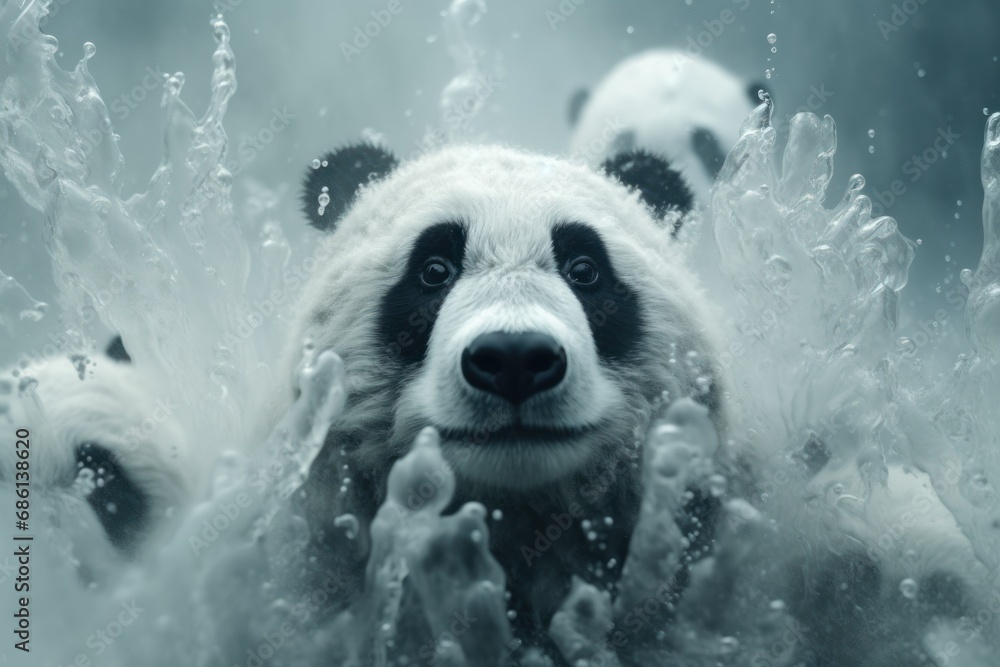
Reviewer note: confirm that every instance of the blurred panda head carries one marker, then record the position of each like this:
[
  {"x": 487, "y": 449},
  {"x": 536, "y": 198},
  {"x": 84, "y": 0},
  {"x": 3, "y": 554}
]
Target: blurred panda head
[
  {"x": 104, "y": 448},
  {"x": 688, "y": 109},
  {"x": 531, "y": 309}
]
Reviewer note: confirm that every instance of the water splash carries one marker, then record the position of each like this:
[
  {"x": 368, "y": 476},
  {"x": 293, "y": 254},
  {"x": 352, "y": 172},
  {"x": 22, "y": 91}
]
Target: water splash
[
  {"x": 16, "y": 304},
  {"x": 465, "y": 95}
]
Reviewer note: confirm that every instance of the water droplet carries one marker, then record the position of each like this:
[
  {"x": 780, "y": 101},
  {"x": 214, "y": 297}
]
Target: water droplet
[
  {"x": 497, "y": 515},
  {"x": 630, "y": 30},
  {"x": 966, "y": 277},
  {"x": 729, "y": 645},
  {"x": 772, "y": 38},
  {"x": 315, "y": 163},
  {"x": 908, "y": 587},
  {"x": 89, "y": 49},
  {"x": 871, "y": 149}
]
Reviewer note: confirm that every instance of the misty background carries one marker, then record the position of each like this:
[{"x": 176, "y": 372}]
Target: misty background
[{"x": 907, "y": 70}]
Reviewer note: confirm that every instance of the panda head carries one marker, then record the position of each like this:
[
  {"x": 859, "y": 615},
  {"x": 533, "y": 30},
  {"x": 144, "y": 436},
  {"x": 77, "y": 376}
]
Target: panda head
[
  {"x": 688, "y": 109},
  {"x": 105, "y": 446},
  {"x": 533, "y": 310}
]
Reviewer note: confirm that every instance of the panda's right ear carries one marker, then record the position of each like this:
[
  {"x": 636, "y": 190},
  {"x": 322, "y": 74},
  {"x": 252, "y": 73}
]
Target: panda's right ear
[{"x": 334, "y": 180}]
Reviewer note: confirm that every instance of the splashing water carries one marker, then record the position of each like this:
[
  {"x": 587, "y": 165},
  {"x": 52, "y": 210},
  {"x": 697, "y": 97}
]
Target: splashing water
[{"x": 829, "y": 408}]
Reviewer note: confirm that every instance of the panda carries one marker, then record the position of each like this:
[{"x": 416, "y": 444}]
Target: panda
[
  {"x": 105, "y": 449},
  {"x": 534, "y": 311},
  {"x": 687, "y": 109},
  {"x": 876, "y": 569}
]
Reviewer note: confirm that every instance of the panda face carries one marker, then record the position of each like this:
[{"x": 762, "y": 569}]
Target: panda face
[
  {"x": 530, "y": 309},
  {"x": 512, "y": 372},
  {"x": 688, "y": 109},
  {"x": 106, "y": 448}
]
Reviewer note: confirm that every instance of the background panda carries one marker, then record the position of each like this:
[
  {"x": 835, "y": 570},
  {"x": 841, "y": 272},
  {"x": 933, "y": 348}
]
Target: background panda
[
  {"x": 106, "y": 453},
  {"x": 536, "y": 312},
  {"x": 687, "y": 109}
]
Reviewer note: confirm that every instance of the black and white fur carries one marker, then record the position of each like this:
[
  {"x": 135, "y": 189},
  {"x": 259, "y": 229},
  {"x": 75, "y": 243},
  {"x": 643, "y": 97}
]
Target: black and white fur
[
  {"x": 662, "y": 100},
  {"x": 101, "y": 414},
  {"x": 506, "y": 232}
]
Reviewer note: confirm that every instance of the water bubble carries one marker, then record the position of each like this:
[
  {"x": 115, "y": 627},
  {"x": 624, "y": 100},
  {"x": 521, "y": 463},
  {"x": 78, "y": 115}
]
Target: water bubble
[
  {"x": 717, "y": 485},
  {"x": 908, "y": 587},
  {"x": 729, "y": 645},
  {"x": 497, "y": 515},
  {"x": 871, "y": 133},
  {"x": 966, "y": 277},
  {"x": 349, "y": 523},
  {"x": 871, "y": 149},
  {"x": 89, "y": 49},
  {"x": 315, "y": 163},
  {"x": 772, "y": 38},
  {"x": 630, "y": 30},
  {"x": 777, "y": 605}
]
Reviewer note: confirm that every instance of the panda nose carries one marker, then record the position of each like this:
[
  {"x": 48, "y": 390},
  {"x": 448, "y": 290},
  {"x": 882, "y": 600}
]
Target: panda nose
[{"x": 515, "y": 366}]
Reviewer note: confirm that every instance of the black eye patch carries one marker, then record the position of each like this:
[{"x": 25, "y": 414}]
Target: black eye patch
[
  {"x": 410, "y": 308},
  {"x": 612, "y": 309},
  {"x": 706, "y": 147},
  {"x": 120, "y": 505}
]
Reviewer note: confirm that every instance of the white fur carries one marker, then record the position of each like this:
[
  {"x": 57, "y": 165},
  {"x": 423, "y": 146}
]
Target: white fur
[
  {"x": 662, "y": 96},
  {"x": 509, "y": 200},
  {"x": 112, "y": 406}
]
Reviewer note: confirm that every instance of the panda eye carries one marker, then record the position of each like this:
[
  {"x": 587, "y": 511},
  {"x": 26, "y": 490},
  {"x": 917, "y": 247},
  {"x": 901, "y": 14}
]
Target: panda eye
[
  {"x": 437, "y": 272},
  {"x": 582, "y": 272}
]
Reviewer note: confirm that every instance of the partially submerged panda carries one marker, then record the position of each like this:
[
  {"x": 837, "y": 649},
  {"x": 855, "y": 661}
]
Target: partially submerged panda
[
  {"x": 664, "y": 101},
  {"x": 536, "y": 313},
  {"x": 104, "y": 445}
]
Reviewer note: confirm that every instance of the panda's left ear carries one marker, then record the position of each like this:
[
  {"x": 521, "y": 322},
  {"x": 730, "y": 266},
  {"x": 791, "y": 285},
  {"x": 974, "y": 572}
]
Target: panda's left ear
[
  {"x": 659, "y": 185},
  {"x": 339, "y": 175}
]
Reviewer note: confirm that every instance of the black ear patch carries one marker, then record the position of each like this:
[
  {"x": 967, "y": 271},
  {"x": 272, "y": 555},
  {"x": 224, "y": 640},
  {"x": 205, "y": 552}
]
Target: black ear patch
[
  {"x": 339, "y": 176},
  {"x": 661, "y": 186},
  {"x": 116, "y": 350},
  {"x": 754, "y": 92},
  {"x": 576, "y": 103},
  {"x": 120, "y": 505}
]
